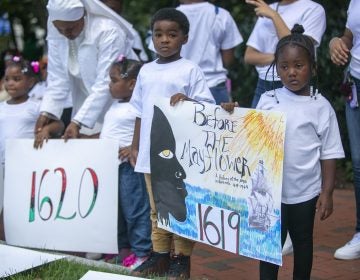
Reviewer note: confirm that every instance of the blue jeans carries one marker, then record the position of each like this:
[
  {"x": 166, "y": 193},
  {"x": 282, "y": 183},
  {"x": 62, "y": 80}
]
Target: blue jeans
[
  {"x": 263, "y": 86},
  {"x": 134, "y": 226},
  {"x": 220, "y": 93},
  {"x": 353, "y": 126}
]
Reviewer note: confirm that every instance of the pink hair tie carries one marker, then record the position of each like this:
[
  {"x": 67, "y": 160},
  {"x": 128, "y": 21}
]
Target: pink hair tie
[
  {"x": 35, "y": 66},
  {"x": 16, "y": 58},
  {"x": 121, "y": 58}
]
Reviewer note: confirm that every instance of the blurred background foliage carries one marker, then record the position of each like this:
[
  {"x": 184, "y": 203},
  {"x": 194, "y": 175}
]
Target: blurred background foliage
[{"x": 31, "y": 15}]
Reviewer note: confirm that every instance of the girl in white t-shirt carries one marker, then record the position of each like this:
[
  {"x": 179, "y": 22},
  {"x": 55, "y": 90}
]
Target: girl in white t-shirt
[
  {"x": 312, "y": 144},
  {"x": 134, "y": 227},
  {"x": 274, "y": 22},
  {"x": 18, "y": 115}
]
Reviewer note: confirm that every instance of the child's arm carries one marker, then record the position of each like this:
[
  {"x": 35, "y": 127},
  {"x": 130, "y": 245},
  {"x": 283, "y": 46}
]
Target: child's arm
[
  {"x": 324, "y": 205},
  {"x": 53, "y": 129},
  {"x": 135, "y": 142}
]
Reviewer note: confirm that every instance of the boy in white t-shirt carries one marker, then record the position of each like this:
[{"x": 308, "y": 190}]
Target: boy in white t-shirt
[{"x": 179, "y": 79}]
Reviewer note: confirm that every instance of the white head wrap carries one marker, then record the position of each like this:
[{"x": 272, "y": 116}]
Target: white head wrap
[{"x": 65, "y": 10}]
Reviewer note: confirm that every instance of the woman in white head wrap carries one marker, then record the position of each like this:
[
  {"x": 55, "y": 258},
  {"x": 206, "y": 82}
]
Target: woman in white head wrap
[{"x": 84, "y": 37}]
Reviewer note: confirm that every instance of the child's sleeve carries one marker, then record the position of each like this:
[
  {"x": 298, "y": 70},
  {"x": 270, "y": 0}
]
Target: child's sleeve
[
  {"x": 198, "y": 89},
  {"x": 331, "y": 146}
]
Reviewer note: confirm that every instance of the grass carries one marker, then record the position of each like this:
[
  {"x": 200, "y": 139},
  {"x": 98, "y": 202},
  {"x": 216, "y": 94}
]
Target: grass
[{"x": 64, "y": 269}]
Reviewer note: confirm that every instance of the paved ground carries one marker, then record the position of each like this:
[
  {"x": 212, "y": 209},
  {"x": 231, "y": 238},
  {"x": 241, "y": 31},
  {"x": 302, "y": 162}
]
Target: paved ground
[{"x": 212, "y": 263}]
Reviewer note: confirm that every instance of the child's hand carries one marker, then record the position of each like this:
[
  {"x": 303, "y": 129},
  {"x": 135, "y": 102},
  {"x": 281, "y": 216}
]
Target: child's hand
[
  {"x": 125, "y": 153},
  {"x": 261, "y": 8},
  {"x": 178, "y": 97},
  {"x": 133, "y": 156},
  {"x": 72, "y": 131},
  {"x": 324, "y": 206},
  {"x": 229, "y": 106},
  {"x": 40, "y": 137}
]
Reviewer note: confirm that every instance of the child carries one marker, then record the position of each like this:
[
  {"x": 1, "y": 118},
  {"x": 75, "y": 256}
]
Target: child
[
  {"x": 178, "y": 78},
  {"x": 274, "y": 22},
  {"x": 18, "y": 115},
  {"x": 134, "y": 209},
  {"x": 312, "y": 143}
]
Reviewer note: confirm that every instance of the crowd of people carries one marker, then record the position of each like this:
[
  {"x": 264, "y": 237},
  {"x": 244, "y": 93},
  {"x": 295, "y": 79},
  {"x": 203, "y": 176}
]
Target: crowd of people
[{"x": 95, "y": 82}]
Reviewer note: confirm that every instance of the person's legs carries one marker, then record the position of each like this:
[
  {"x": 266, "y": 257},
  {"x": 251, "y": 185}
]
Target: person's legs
[
  {"x": 269, "y": 271},
  {"x": 351, "y": 250},
  {"x": 263, "y": 86},
  {"x": 134, "y": 202},
  {"x": 301, "y": 227},
  {"x": 158, "y": 262},
  {"x": 181, "y": 260}
]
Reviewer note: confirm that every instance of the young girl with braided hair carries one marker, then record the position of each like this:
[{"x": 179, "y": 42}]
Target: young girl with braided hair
[
  {"x": 312, "y": 145},
  {"x": 134, "y": 227}
]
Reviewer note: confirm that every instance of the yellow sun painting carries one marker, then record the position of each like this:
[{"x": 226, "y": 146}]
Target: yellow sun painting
[{"x": 261, "y": 137}]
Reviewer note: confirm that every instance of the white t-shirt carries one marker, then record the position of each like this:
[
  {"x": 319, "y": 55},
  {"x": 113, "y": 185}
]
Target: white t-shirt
[
  {"x": 119, "y": 122},
  {"x": 212, "y": 29},
  {"x": 264, "y": 38},
  {"x": 163, "y": 80},
  {"x": 353, "y": 23},
  {"x": 312, "y": 134},
  {"x": 17, "y": 121}
]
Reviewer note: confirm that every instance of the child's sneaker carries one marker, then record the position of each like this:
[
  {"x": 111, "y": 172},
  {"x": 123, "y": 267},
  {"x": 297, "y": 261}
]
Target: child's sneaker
[
  {"x": 157, "y": 264},
  {"x": 132, "y": 261},
  {"x": 179, "y": 267},
  {"x": 350, "y": 250}
]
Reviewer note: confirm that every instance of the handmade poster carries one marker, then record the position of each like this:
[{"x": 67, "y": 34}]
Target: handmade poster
[
  {"x": 14, "y": 260},
  {"x": 217, "y": 177},
  {"x": 63, "y": 196}
]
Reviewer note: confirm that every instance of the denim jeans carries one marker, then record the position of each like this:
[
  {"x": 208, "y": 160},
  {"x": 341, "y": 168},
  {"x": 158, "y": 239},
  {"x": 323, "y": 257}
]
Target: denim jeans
[
  {"x": 263, "y": 86},
  {"x": 298, "y": 219},
  {"x": 220, "y": 93},
  {"x": 134, "y": 226},
  {"x": 353, "y": 126}
]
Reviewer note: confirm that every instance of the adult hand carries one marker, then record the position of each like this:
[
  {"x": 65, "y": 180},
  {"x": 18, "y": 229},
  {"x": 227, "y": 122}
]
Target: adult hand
[
  {"x": 261, "y": 8},
  {"x": 41, "y": 122},
  {"x": 71, "y": 132},
  {"x": 339, "y": 52}
]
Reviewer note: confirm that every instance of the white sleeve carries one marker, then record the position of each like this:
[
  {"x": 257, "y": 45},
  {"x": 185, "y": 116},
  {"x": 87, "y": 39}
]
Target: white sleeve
[
  {"x": 136, "y": 98},
  {"x": 198, "y": 88},
  {"x": 314, "y": 23},
  {"x": 111, "y": 43},
  {"x": 58, "y": 90},
  {"x": 232, "y": 36}
]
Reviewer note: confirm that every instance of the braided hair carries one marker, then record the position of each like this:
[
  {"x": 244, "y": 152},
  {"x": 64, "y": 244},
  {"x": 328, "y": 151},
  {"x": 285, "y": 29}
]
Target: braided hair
[
  {"x": 297, "y": 38},
  {"x": 128, "y": 68},
  {"x": 30, "y": 69}
]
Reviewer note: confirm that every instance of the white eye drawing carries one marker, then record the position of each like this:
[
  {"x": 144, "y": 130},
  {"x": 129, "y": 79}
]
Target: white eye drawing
[{"x": 167, "y": 154}]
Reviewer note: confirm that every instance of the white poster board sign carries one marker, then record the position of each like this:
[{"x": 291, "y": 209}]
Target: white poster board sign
[
  {"x": 217, "y": 177},
  {"x": 63, "y": 196},
  {"x": 14, "y": 260}
]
